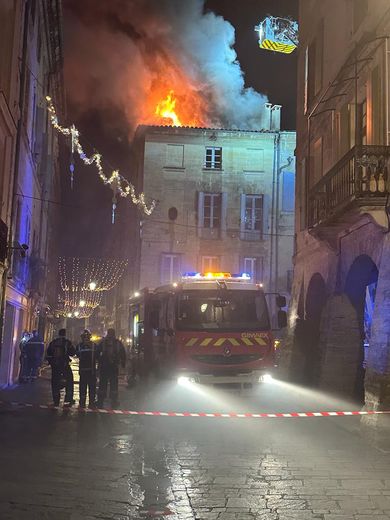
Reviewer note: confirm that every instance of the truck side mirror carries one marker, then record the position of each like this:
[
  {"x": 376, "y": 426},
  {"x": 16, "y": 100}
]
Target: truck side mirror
[
  {"x": 281, "y": 301},
  {"x": 282, "y": 319}
]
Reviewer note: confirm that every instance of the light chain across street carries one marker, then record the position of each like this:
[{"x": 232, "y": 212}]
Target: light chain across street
[{"x": 230, "y": 415}]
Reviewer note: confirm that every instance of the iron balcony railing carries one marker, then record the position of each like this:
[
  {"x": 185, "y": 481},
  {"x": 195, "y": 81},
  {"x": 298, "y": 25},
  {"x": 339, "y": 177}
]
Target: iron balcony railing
[{"x": 360, "y": 176}]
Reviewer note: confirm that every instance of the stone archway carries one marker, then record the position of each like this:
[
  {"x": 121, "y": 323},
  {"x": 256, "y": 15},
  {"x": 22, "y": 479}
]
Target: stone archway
[
  {"x": 339, "y": 344},
  {"x": 360, "y": 287},
  {"x": 315, "y": 302}
]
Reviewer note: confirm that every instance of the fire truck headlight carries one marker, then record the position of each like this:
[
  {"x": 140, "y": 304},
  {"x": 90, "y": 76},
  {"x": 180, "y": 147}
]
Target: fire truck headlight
[
  {"x": 265, "y": 378},
  {"x": 185, "y": 380}
]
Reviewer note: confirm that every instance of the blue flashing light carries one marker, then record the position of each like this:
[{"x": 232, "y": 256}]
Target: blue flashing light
[{"x": 242, "y": 276}]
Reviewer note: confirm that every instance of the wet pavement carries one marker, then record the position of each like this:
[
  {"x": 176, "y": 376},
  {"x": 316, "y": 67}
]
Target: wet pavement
[{"x": 69, "y": 465}]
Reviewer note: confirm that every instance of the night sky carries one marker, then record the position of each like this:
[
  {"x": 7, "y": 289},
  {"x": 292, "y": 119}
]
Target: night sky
[{"x": 87, "y": 229}]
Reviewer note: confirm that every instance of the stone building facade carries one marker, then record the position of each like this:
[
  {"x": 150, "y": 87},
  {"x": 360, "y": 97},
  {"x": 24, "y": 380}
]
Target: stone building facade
[
  {"x": 30, "y": 69},
  {"x": 225, "y": 203},
  {"x": 339, "y": 314}
]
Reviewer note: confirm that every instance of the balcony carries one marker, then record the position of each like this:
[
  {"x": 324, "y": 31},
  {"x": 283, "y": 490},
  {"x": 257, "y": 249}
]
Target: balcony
[{"x": 357, "y": 184}]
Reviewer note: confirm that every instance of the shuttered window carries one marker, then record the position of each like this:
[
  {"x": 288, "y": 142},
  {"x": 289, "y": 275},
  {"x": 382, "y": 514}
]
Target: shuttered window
[
  {"x": 288, "y": 193},
  {"x": 253, "y": 265},
  {"x": 210, "y": 264},
  {"x": 251, "y": 216},
  {"x": 170, "y": 267}
]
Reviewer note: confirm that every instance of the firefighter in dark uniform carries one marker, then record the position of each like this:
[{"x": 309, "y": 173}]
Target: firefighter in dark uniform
[
  {"x": 87, "y": 354},
  {"x": 111, "y": 354},
  {"x": 23, "y": 357},
  {"x": 34, "y": 350},
  {"x": 58, "y": 355}
]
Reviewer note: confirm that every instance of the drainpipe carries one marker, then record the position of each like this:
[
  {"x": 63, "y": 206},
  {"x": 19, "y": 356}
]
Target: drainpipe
[
  {"x": 387, "y": 107},
  {"x": 272, "y": 227},
  {"x": 16, "y": 168},
  {"x": 279, "y": 171}
]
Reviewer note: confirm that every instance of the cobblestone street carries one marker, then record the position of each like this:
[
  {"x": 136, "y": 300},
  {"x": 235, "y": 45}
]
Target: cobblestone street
[{"x": 67, "y": 465}]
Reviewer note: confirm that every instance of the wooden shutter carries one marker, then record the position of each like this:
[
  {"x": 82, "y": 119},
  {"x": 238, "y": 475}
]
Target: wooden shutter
[
  {"x": 200, "y": 211},
  {"x": 266, "y": 229},
  {"x": 242, "y": 216},
  {"x": 223, "y": 212}
]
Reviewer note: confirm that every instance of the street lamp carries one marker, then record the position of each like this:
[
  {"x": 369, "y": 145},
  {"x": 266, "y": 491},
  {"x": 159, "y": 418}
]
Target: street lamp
[
  {"x": 82, "y": 303},
  {"x": 92, "y": 286}
]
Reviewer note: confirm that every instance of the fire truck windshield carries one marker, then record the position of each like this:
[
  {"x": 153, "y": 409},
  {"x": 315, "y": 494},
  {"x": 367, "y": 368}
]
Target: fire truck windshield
[{"x": 222, "y": 310}]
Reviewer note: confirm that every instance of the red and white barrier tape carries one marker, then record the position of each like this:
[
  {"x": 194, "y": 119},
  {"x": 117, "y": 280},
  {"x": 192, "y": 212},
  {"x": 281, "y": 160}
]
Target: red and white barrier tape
[{"x": 222, "y": 415}]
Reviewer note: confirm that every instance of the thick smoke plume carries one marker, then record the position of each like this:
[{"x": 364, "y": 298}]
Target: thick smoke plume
[{"x": 128, "y": 54}]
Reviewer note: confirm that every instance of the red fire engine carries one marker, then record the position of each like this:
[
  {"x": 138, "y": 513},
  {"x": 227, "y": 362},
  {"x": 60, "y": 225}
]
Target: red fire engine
[{"x": 211, "y": 327}]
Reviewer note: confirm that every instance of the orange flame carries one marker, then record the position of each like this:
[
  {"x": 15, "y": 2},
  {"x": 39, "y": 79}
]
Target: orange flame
[{"x": 166, "y": 110}]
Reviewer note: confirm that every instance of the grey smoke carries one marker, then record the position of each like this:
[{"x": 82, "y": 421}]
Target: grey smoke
[{"x": 118, "y": 50}]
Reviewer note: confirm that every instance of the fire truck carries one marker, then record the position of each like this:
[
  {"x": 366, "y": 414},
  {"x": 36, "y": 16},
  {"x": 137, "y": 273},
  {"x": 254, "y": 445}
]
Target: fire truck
[{"x": 208, "y": 328}]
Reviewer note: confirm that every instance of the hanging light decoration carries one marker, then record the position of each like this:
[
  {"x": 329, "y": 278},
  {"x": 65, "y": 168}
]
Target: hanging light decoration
[
  {"x": 83, "y": 281},
  {"x": 117, "y": 182}
]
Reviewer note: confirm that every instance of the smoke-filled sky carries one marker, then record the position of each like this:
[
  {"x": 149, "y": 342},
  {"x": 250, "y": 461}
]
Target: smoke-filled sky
[
  {"x": 127, "y": 55},
  {"x": 123, "y": 56}
]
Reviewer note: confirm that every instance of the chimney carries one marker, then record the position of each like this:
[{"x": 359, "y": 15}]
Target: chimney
[
  {"x": 267, "y": 116},
  {"x": 275, "y": 118}
]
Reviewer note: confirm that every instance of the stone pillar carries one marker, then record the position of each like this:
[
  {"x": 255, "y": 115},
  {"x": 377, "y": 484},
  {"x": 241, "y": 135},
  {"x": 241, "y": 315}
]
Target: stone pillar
[
  {"x": 377, "y": 382},
  {"x": 340, "y": 346}
]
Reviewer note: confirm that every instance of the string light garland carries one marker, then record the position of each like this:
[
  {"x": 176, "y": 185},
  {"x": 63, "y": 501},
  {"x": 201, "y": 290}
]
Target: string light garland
[
  {"x": 85, "y": 274},
  {"x": 83, "y": 281},
  {"x": 118, "y": 184}
]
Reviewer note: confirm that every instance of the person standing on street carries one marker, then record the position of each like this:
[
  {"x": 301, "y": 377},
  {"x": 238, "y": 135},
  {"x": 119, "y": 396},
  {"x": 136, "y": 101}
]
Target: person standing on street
[
  {"x": 58, "y": 356},
  {"x": 86, "y": 352},
  {"x": 23, "y": 357},
  {"x": 111, "y": 354},
  {"x": 34, "y": 349}
]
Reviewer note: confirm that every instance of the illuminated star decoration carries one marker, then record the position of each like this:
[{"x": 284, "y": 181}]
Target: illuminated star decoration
[{"x": 119, "y": 185}]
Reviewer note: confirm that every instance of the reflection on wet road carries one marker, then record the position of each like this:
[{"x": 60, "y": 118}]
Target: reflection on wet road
[{"x": 65, "y": 465}]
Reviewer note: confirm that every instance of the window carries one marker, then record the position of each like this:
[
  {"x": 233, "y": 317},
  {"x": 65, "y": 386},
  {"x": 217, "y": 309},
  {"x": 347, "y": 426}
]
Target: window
[
  {"x": 317, "y": 162},
  {"x": 210, "y": 264},
  {"x": 253, "y": 212},
  {"x": 170, "y": 267},
  {"x": 212, "y": 210},
  {"x": 251, "y": 216},
  {"x": 211, "y": 214},
  {"x": 313, "y": 67},
  {"x": 377, "y": 107},
  {"x": 213, "y": 158},
  {"x": 288, "y": 194},
  {"x": 254, "y": 267}
]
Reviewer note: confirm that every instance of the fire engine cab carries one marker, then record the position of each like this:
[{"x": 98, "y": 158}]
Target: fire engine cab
[{"x": 208, "y": 328}]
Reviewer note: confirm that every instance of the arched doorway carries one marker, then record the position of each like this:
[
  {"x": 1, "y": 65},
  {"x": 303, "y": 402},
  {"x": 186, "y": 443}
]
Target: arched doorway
[
  {"x": 360, "y": 287},
  {"x": 315, "y": 302}
]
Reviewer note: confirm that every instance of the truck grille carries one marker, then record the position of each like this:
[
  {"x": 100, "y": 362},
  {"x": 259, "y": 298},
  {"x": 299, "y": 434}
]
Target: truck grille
[{"x": 218, "y": 359}]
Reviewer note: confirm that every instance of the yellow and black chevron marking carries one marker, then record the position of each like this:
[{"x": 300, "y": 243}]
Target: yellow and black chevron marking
[
  {"x": 218, "y": 342},
  {"x": 270, "y": 45}
]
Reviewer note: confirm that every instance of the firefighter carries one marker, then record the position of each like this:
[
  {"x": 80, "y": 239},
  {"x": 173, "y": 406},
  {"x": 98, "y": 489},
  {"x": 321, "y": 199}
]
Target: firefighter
[
  {"x": 58, "y": 356},
  {"x": 86, "y": 352},
  {"x": 111, "y": 354},
  {"x": 34, "y": 350},
  {"x": 23, "y": 357}
]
